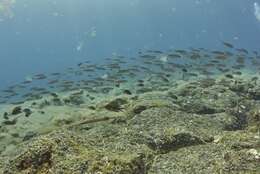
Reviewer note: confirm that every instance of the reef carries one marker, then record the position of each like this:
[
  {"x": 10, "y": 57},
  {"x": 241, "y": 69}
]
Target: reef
[{"x": 197, "y": 126}]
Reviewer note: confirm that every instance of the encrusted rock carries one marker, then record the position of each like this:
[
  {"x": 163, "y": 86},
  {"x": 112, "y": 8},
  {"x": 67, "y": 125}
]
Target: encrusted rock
[
  {"x": 170, "y": 140},
  {"x": 116, "y": 104},
  {"x": 17, "y": 110}
]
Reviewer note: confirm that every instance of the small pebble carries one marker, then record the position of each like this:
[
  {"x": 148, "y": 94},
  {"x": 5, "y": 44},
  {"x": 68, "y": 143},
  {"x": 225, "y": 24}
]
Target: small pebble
[{"x": 27, "y": 112}]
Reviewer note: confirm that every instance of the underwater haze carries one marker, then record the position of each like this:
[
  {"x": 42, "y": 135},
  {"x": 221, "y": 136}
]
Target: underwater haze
[
  {"x": 129, "y": 87},
  {"x": 45, "y": 36}
]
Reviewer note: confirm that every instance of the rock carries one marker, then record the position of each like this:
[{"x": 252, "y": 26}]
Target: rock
[
  {"x": 200, "y": 108},
  {"x": 5, "y": 115},
  {"x": 37, "y": 156},
  {"x": 207, "y": 158},
  {"x": 144, "y": 90},
  {"x": 91, "y": 107},
  {"x": 68, "y": 153},
  {"x": 74, "y": 100},
  {"x": 44, "y": 103},
  {"x": 254, "y": 93},
  {"x": 55, "y": 95},
  {"x": 29, "y": 135},
  {"x": 27, "y": 112},
  {"x": 10, "y": 122},
  {"x": 127, "y": 92},
  {"x": 116, "y": 104},
  {"x": 211, "y": 100},
  {"x": 208, "y": 82},
  {"x": 57, "y": 101},
  {"x": 168, "y": 141},
  {"x": 17, "y": 110},
  {"x": 230, "y": 76},
  {"x": 143, "y": 105}
]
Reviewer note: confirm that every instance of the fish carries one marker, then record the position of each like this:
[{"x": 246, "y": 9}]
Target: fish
[
  {"x": 37, "y": 89},
  {"x": 55, "y": 74},
  {"x": 39, "y": 76},
  {"x": 8, "y": 91},
  {"x": 17, "y": 102},
  {"x": 240, "y": 66},
  {"x": 183, "y": 52},
  {"x": 174, "y": 56},
  {"x": 192, "y": 74},
  {"x": 154, "y": 51},
  {"x": 26, "y": 82},
  {"x": 184, "y": 70},
  {"x": 147, "y": 56},
  {"x": 195, "y": 56},
  {"x": 224, "y": 70},
  {"x": 217, "y": 52},
  {"x": 221, "y": 57},
  {"x": 229, "y": 45},
  {"x": 53, "y": 81},
  {"x": 3, "y": 102},
  {"x": 237, "y": 72},
  {"x": 240, "y": 60},
  {"x": 242, "y": 50}
]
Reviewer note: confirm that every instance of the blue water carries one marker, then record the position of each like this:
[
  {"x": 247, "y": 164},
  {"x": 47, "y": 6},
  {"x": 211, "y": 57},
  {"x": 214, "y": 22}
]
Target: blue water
[{"x": 47, "y": 35}]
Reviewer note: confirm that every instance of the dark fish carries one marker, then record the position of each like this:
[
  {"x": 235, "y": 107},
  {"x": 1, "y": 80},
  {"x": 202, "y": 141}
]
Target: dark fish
[
  {"x": 215, "y": 61},
  {"x": 240, "y": 66},
  {"x": 227, "y": 53},
  {"x": 154, "y": 51},
  {"x": 17, "y": 102},
  {"x": 140, "y": 84},
  {"x": 55, "y": 74},
  {"x": 217, "y": 52},
  {"x": 229, "y": 45},
  {"x": 147, "y": 56},
  {"x": 44, "y": 92},
  {"x": 37, "y": 89},
  {"x": 242, "y": 50},
  {"x": 3, "y": 102},
  {"x": 193, "y": 74},
  {"x": 230, "y": 76},
  {"x": 39, "y": 76},
  {"x": 8, "y": 91},
  {"x": 148, "y": 62},
  {"x": 27, "y": 82},
  {"x": 255, "y": 52},
  {"x": 221, "y": 57},
  {"x": 53, "y": 94},
  {"x": 195, "y": 56},
  {"x": 164, "y": 79},
  {"x": 174, "y": 56},
  {"x": 240, "y": 60},
  {"x": 67, "y": 82},
  {"x": 12, "y": 95},
  {"x": 237, "y": 72},
  {"x": 254, "y": 78},
  {"x": 128, "y": 92},
  {"x": 181, "y": 51},
  {"x": 53, "y": 81},
  {"x": 100, "y": 68},
  {"x": 184, "y": 70},
  {"x": 209, "y": 65},
  {"x": 224, "y": 70},
  {"x": 207, "y": 73},
  {"x": 27, "y": 95}
]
